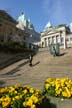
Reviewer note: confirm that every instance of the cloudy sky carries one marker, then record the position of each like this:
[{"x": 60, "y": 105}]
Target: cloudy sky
[{"x": 40, "y": 11}]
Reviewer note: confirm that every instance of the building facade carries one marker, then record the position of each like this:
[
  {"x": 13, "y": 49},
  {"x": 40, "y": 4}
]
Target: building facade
[
  {"x": 9, "y": 31},
  {"x": 60, "y": 34},
  {"x": 26, "y": 25}
]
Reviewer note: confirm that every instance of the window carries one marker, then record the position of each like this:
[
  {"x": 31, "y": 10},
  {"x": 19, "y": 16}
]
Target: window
[
  {"x": 57, "y": 39},
  {"x": 42, "y": 44},
  {"x": 52, "y": 39},
  {"x": 48, "y": 40},
  {"x": 71, "y": 38},
  {"x": 45, "y": 41},
  {"x": 67, "y": 39}
]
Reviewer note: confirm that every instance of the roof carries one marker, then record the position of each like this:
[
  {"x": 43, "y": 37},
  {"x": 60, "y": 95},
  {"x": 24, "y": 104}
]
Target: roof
[{"x": 5, "y": 16}]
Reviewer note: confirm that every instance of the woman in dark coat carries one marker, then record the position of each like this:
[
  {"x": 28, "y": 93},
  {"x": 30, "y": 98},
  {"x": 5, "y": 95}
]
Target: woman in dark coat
[{"x": 30, "y": 59}]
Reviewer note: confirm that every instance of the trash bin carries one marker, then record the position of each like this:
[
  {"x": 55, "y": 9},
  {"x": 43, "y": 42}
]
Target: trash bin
[
  {"x": 54, "y": 49},
  {"x": 51, "y": 49},
  {"x": 57, "y": 47}
]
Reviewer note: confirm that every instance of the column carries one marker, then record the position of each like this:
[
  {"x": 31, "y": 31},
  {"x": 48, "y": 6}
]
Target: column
[
  {"x": 64, "y": 34},
  {"x": 46, "y": 41},
  {"x": 55, "y": 40}
]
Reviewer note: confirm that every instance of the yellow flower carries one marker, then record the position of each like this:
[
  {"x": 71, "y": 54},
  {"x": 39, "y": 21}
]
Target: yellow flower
[
  {"x": 33, "y": 106},
  {"x": 2, "y": 90},
  {"x": 24, "y": 104},
  {"x": 15, "y": 92},
  {"x": 1, "y": 99},
  {"x": 53, "y": 83},
  {"x": 17, "y": 97},
  {"x": 21, "y": 95},
  {"x": 37, "y": 92},
  {"x": 34, "y": 99},
  {"x": 11, "y": 89},
  {"x": 13, "y": 99},
  {"x": 58, "y": 91},
  {"x": 31, "y": 90},
  {"x": 64, "y": 93},
  {"x": 57, "y": 86},
  {"x": 6, "y": 101},
  {"x": 29, "y": 102},
  {"x": 24, "y": 91},
  {"x": 49, "y": 80},
  {"x": 71, "y": 90},
  {"x": 47, "y": 86},
  {"x": 68, "y": 92}
]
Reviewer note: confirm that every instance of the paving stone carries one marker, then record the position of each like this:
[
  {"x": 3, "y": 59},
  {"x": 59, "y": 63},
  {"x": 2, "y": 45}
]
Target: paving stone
[{"x": 44, "y": 66}]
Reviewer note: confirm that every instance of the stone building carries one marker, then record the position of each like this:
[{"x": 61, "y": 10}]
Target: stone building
[
  {"x": 9, "y": 31},
  {"x": 60, "y": 34},
  {"x": 25, "y": 24}
]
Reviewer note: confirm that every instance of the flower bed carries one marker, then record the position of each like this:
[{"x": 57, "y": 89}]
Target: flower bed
[
  {"x": 20, "y": 97},
  {"x": 59, "y": 87}
]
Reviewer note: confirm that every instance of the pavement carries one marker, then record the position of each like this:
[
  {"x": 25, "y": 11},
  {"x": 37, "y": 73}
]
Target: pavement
[{"x": 44, "y": 66}]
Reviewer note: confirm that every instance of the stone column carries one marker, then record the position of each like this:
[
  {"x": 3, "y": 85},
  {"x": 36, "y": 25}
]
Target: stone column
[
  {"x": 55, "y": 39},
  {"x": 47, "y": 41},
  {"x": 64, "y": 35},
  {"x": 59, "y": 38},
  {"x": 50, "y": 40}
]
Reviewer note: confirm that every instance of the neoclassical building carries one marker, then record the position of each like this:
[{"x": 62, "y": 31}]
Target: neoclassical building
[{"x": 60, "y": 34}]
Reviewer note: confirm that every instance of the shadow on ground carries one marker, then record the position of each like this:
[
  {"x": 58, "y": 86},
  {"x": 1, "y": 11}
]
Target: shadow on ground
[
  {"x": 2, "y": 83},
  {"x": 23, "y": 64},
  {"x": 62, "y": 54},
  {"x": 15, "y": 70},
  {"x": 11, "y": 72},
  {"x": 47, "y": 104},
  {"x": 36, "y": 63},
  {"x": 13, "y": 58}
]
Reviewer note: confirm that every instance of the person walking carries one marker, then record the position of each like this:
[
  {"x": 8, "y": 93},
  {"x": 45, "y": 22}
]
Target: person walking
[{"x": 30, "y": 59}]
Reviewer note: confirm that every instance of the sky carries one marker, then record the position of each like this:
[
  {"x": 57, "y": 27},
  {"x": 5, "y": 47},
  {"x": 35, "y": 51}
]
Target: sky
[{"x": 40, "y": 11}]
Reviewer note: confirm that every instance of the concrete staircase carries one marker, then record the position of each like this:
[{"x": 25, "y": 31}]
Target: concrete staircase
[
  {"x": 43, "y": 49},
  {"x": 7, "y": 59}
]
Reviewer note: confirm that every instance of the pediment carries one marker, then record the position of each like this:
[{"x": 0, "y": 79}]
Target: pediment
[{"x": 52, "y": 32}]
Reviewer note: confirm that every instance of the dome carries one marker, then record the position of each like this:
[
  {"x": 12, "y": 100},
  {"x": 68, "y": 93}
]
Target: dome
[
  {"x": 48, "y": 25},
  {"x": 30, "y": 25},
  {"x": 21, "y": 18}
]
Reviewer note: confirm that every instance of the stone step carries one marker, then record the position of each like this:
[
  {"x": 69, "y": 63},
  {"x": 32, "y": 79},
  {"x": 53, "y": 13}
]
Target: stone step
[{"x": 10, "y": 59}]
